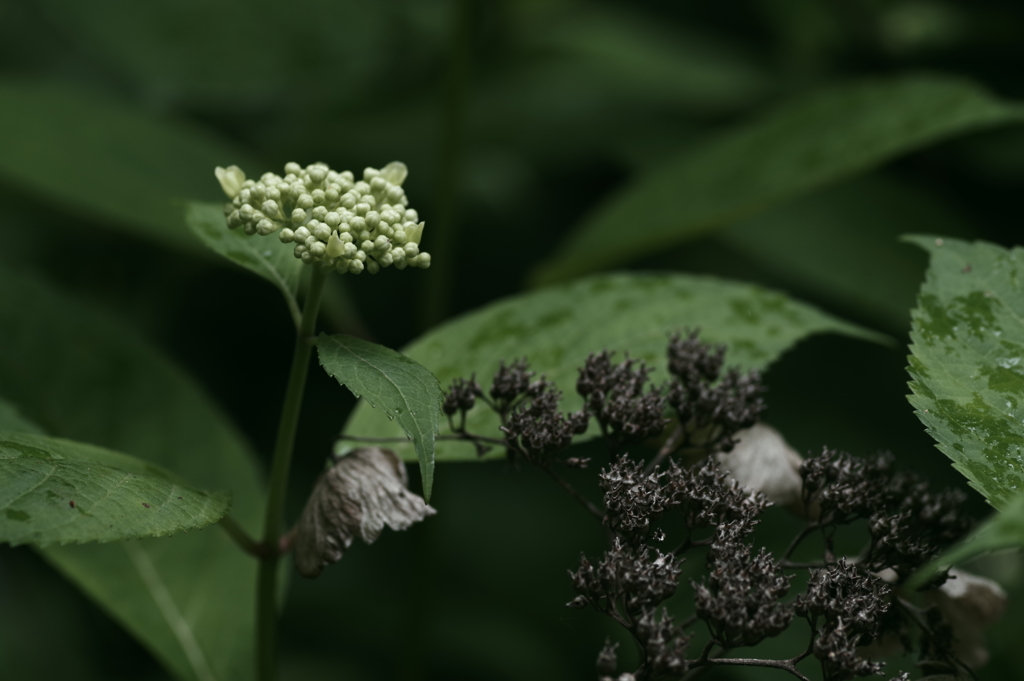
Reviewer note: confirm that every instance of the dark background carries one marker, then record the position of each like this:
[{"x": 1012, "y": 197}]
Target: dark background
[{"x": 515, "y": 118}]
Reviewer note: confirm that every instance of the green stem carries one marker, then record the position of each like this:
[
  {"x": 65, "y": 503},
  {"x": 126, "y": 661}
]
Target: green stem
[
  {"x": 436, "y": 295},
  {"x": 266, "y": 595}
]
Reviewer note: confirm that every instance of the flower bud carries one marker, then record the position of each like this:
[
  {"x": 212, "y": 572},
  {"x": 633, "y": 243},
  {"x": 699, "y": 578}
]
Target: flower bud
[
  {"x": 334, "y": 221},
  {"x": 395, "y": 172},
  {"x": 318, "y": 174},
  {"x": 335, "y": 246},
  {"x": 415, "y": 233},
  {"x": 230, "y": 179}
]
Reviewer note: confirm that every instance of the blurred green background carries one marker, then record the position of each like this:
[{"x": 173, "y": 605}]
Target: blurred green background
[{"x": 517, "y": 118}]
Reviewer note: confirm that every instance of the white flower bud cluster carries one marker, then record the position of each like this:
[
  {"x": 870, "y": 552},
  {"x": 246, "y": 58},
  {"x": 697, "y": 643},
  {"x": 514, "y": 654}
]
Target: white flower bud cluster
[{"x": 332, "y": 219}]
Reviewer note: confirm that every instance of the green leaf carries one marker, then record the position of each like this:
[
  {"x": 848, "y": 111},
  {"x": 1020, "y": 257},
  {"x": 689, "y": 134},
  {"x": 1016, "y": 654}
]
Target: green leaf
[
  {"x": 400, "y": 388},
  {"x": 265, "y": 256},
  {"x": 631, "y": 55},
  {"x": 967, "y": 361},
  {"x": 556, "y": 328},
  {"x": 1002, "y": 530},
  {"x": 68, "y": 492},
  {"x": 81, "y": 374},
  {"x": 842, "y": 243},
  {"x": 105, "y": 160},
  {"x": 814, "y": 140},
  {"x": 11, "y": 419}
]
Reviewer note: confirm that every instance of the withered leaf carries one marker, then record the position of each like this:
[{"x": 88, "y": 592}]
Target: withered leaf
[{"x": 360, "y": 494}]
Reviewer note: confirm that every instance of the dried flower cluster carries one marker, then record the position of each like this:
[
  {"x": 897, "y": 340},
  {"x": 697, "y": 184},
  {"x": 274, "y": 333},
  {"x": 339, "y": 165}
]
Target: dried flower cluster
[
  {"x": 693, "y": 485},
  {"x": 909, "y": 523}
]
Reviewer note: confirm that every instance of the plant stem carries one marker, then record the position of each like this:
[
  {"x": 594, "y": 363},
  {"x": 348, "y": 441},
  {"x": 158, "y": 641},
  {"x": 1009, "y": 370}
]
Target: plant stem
[
  {"x": 266, "y": 594},
  {"x": 241, "y": 537},
  {"x": 435, "y": 299}
]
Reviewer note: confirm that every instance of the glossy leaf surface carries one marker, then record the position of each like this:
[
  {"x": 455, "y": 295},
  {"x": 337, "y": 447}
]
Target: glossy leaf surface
[
  {"x": 61, "y": 491},
  {"x": 391, "y": 383},
  {"x": 102, "y": 159},
  {"x": 967, "y": 361},
  {"x": 805, "y": 144},
  {"x": 265, "y": 256},
  {"x": 556, "y": 328},
  {"x": 79, "y": 373}
]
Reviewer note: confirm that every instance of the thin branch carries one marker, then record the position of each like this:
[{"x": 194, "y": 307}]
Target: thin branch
[
  {"x": 587, "y": 504},
  {"x": 785, "y": 665},
  {"x": 465, "y": 437},
  {"x": 808, "y": 529},
  {"x": 793, "y": 565},
  {"x": 667, "y": 448},
  {"x": 241, "y": 537}
]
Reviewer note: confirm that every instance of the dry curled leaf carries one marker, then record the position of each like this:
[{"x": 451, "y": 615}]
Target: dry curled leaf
[
  {"x": 360, "y": 494},
  {"x": 970, "y": 604},
  {"x": 762, "y": 461}
]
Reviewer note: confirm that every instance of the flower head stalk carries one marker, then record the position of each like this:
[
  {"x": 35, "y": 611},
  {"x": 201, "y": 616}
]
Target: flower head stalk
[{"x": 333, "y": 220}]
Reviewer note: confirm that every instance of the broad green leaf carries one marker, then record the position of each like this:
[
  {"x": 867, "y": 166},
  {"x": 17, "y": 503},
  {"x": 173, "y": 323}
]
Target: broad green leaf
[
  {"x": 635, "y": 57},
  {"x": 811, "y": 141},
  {"x": 11, "y": 419},
  {"x": 103, "y": 159},
  {"x": 967, "y": 361},
  {"x": 556, "y": 328},
  {"x": 842, "y": 243},
  {"x": 392, "y": 383},
  {"x": 68, "y": 492},
  {"x": 1002, "y": 530},
  {"x": 264, "y": 256},
  {"x": 232, "y": 55},
  {"x": 81, "y": 374}
]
